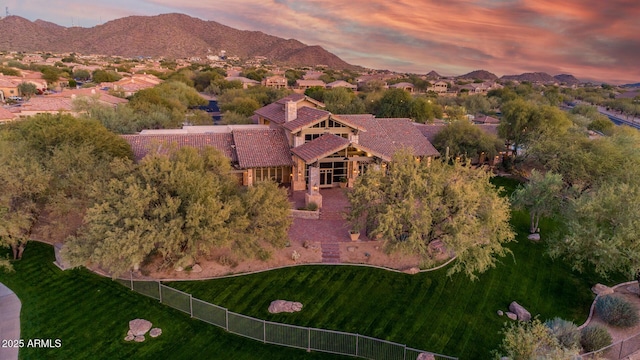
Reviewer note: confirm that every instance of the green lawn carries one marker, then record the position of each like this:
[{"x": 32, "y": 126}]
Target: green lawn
[
  {"x": 429, "y": 311},
  {"x": 90, "y": 314}
]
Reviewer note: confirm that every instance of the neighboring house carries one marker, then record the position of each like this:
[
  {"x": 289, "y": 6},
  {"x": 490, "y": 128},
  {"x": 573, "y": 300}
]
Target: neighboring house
[
  {"x": 276, "y": 82},
  {"x": 341, "y": 83},
  {"x": 302, "y": 84},
  {"x": 132, "y": 84},
  {"x": 246, "y": 82},
  {"x": 62, "y": 102},
  {"x": 9, "y": 85},
  {"x": 485, "y": 119},
  {"x": 439, "y": 87},
  {"x": 404, "y": 86},
  {"x": 6, "y": 116}
]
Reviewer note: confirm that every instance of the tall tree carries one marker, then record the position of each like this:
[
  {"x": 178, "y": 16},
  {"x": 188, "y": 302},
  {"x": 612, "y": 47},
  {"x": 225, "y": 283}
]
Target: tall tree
[
  {"x": 24, "y": 184},
  {"x": 462, "y": 138},
  {"x": 602, "y": 230},
  {"x": 27, "y": 89},
  {"x": 413, "y": 204},
  {"x": 541, "y": 196}
]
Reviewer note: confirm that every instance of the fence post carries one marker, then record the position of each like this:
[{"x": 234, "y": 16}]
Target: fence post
[
  {"x": 309, "y": 340},
  {"x": 621, "y": 346},
  {"x": 226, "y": 317},
  {"x": 191, "y": 304},
  {"x": 405, "y": 353},
  {"x": 160, "y": 291},
  {"x": 264, "y": 331},
  {"x": 357, "y": 341}
]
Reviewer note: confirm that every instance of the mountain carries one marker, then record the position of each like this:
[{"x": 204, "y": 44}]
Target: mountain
[
  {"x": 167, "y": 35},
  {"x": 433, "y": 75},
  {"x": 539, "y": 77},
  {"x": 479, "y": 74},
  {"x": 636, "y": 85},
  {"x": 567, "y": 79}
]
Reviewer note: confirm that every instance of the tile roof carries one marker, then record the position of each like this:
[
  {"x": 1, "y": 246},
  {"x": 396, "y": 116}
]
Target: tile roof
[
  {"x": 321, "y": 147},
  {"x": 262, "y": 148},
  {"x": 275, "y": 111},
  {"x": 142, "y": 144},
  {"x": 484, "y": 119},
  {"x": 386, "y": 136},
  {"x": 5, "y": 114},
  {"x": 48, "y": 104},
  {"x": 306, "y": 116},
  {"x": 430, "y": 130},
  {"x": 491, "y": 129}
]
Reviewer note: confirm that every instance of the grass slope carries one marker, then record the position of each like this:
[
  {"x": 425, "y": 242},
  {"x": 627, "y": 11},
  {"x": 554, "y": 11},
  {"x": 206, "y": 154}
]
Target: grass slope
[
  {"x": 429, "y": 311},
  {"x": 90, "y": 314}
]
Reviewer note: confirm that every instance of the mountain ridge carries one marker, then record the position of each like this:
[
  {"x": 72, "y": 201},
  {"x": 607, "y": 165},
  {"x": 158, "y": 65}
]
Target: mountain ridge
[{"x": 167, "y": 35}]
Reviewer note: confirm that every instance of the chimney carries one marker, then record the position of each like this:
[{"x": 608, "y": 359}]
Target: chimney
[{"x": 290, "y": 111}]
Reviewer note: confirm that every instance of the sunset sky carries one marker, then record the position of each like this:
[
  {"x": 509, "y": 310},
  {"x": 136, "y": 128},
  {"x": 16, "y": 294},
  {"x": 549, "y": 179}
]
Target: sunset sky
[{"x": 591, "y": 39}]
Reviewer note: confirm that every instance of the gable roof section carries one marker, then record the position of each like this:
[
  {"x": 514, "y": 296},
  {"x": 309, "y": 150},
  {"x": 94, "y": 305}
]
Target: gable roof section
[
  {"x": 388, "y": 135},
  {"x": 306, "y": 117},
  {"x": 298, "y": 98},
  {"x": 262, "y": 148},
  {"x": 275, "y": 111},
  {"x": 142, "y": 144},
  {"x": 321, "y": 147}
]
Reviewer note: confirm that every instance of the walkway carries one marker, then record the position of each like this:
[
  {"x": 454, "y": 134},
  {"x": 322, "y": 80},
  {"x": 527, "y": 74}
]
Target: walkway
[
  {"x": 330, "y": 230},
  {"x": 9, "y": 321}
]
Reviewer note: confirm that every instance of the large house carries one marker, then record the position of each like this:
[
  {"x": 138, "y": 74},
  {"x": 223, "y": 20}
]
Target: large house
[{"x": 300, "y": 145}]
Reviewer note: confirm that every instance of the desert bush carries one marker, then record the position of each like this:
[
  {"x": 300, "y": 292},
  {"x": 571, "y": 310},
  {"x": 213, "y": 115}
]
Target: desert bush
[
  {"x": 594, "y": 337},
  {"x": 226, "y": 260},
  {"x": 616, "y": 311},
  {"x": 565, "y": 331}
]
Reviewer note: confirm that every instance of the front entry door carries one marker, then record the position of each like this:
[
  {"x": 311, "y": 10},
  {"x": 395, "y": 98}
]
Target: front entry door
[{"x": 326, "y": 178}]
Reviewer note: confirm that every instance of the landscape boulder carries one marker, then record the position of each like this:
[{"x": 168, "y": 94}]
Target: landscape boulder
[
  {"x": 129, "y": 338},
  {"x": 412, "y": 271},
  {"x": 534, "y": 237},
  {"x": 500, "y": 312},
  {"x": 426, "y": 356},
  {"x": 521, "y": 312},
  {"x": 139, "y": 327},
  {"x": 278, "y": 306},
  {"x": 155, "y": 332},
  {"x": 600, "y": 289},
  {"x": 512, "y": 316},
  {"x": 139, "y": 338},
  {"x": 196, "y": 268}
]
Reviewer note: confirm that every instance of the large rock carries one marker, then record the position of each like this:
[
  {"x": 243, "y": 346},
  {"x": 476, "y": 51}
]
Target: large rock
[
  {"x": 278, "y": 306},
  {"x": 426, "y": 356},
  {"x": 129, "y": 338},
  {"x": 521, "y": 312},
  {"x": 139, "y": 327},
  {"x": 534, "y": 237},
  {"x": 155, "y": 332},
  {"x": 512, "y": 316},
  {"x": 139, "y": 338},
  {"x": 412, "y": 271},
  {"x": 196, "y": 268},
  {"x": 600, "y": 289}
]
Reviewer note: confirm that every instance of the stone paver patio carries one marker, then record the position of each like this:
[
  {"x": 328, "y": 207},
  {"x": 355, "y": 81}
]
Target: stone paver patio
[{"x": 330, "y": 230}]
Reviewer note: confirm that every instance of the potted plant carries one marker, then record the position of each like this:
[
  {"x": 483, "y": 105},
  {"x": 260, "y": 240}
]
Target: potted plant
[
  {"x": 354, "y": 234},
  {"x": 343, "y": 182}
]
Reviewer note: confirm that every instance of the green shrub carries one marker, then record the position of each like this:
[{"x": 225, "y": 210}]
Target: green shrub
[
  {"x": 616, "y": 311},
  {"x": 594, "y": 337},
  {"x": 565, "y": 331},
  {"x": 312, "y": 206}
]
